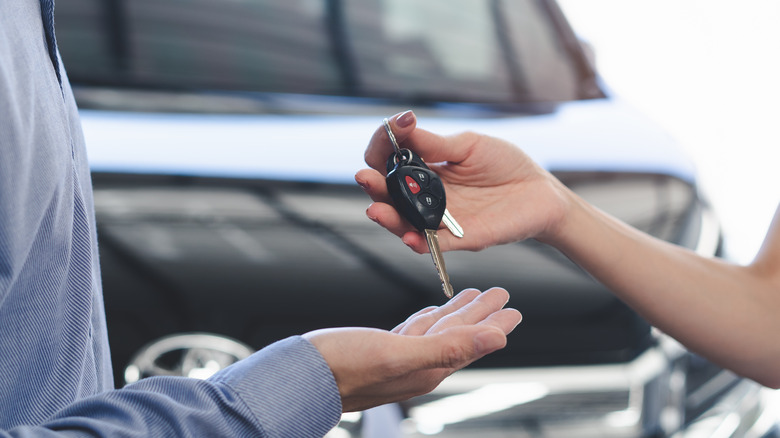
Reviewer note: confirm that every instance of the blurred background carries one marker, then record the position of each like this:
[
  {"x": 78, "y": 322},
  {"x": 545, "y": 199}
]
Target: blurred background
[
  {"x": 707, "y": 71},
  {"x": 207, "y": 214}
]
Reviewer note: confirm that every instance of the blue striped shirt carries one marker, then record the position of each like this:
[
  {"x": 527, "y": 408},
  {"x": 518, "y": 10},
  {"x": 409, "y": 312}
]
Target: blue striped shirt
[{"x": 55, "y": 371}]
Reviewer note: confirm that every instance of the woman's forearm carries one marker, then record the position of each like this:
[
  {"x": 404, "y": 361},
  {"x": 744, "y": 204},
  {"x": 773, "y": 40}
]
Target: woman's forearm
[{"x": 725, "y": 312}]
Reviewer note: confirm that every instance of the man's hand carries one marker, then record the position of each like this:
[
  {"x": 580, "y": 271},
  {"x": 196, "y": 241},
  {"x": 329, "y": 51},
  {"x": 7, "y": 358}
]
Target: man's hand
[
  {"x": 373, "y": 367},
  {"x": 494, "y": 190}
]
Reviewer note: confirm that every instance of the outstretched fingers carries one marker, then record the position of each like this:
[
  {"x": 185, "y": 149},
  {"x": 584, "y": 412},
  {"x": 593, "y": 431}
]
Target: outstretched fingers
[
  {"x": 479, "y": 310},
  {"x": 421, "y": 322}
]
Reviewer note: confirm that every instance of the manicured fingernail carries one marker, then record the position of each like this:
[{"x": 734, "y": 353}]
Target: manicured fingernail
[
  {"x": 405, "y": 119},
  {"x": 373, "y": 218}
]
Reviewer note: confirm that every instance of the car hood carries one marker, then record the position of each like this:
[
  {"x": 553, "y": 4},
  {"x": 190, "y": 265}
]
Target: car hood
[{"x": 591, "y": 135}]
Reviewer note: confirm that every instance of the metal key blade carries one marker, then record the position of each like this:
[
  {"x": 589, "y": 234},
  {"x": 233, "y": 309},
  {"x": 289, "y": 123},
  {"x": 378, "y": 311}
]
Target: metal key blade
[
  {"x": 452, "y": 224},
  {"x": 438, "y": 261}
]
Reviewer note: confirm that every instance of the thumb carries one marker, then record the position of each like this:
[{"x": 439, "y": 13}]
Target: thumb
[{"x": 380, "y": 146}]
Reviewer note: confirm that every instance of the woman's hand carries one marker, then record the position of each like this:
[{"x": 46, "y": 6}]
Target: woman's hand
[{"x": 494, "y": 190}]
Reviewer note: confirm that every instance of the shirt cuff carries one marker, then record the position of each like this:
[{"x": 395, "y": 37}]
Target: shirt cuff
[{"x": 289, "y": 388}]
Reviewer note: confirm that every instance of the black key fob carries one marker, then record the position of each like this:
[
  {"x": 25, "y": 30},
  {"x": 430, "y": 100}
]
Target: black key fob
[{"x": 417, "y": 192}]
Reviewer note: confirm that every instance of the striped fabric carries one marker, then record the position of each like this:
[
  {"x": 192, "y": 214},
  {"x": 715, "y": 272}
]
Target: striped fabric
[{"x": 55, "y": 371}]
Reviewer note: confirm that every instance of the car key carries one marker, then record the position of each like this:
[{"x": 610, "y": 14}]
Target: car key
[
  {"x": 418, "y": 195},
  {"x": 415, "y": 160}
]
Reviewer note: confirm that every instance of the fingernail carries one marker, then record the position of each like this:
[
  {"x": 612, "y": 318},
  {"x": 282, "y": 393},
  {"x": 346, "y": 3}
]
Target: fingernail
[
  {"x": 405, "y": 119},
  {"x": 373, "y": 218}
]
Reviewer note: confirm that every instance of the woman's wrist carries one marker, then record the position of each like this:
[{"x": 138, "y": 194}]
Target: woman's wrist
[{"x": 566, "y": 208}]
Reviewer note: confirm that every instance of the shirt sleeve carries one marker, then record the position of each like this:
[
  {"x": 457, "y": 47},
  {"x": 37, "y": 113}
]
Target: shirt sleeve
[{"x": 284, "y": 390}]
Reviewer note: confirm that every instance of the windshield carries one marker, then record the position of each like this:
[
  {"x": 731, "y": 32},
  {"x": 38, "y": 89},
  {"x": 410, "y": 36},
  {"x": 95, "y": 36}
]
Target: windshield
[{"x": 449, "y": 50}]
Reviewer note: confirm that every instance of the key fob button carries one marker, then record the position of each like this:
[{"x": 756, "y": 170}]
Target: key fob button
[
  {"x": 413, "y": 185},
  {"x": 422, "y": 177},
  {"x": 428, "y": 200}
]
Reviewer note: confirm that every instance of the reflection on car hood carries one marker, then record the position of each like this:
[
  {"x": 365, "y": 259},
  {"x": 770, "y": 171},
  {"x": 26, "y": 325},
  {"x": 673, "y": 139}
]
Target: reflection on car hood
[{"x": 595, "y": 135}]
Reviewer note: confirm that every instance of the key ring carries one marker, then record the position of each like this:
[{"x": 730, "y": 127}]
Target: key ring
[
  {"x": 401, "y": 153},
  {"x": 391, "y": 135},
  {"x": 398, "y": 151}
]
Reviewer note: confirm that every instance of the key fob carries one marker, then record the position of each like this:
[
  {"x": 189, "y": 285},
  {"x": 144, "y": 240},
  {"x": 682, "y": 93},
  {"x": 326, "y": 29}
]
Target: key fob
[{"x": 417, "y": 192}]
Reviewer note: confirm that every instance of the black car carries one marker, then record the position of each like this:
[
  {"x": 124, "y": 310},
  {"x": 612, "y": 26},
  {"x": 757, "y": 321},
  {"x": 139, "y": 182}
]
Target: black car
[{"x": 224, "y": 136}]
